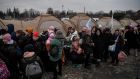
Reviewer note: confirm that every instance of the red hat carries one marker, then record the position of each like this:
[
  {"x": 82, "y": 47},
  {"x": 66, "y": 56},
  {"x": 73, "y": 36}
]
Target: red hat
[{"x": 36, "y": 34}]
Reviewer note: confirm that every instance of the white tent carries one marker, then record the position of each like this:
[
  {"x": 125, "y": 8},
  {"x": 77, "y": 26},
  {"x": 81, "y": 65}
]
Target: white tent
[
  {"x": 80, "y": 20},
  {"x": 67, "y": 24},
  {"x": 40, "y": 23},
  {"x": 138, "y": 21},
  {"x": 107, "y": 22},
  {"x": 21, "y": 24},
  {"x": 44, "y": 21},
  {"x": 127, "y": 21}
]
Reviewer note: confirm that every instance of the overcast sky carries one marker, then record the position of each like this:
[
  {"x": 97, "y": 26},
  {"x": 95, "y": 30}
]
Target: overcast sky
[{"x": 76, "y": 5}]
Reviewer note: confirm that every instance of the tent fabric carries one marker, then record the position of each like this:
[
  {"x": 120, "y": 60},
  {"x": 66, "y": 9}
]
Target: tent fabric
[
  {"x": 138, "y": 21},
  {"x": 107, "y": 22},
  {"x": 126, "y": 22},
  {"x": 2, "y": 25},
  {"x": 104, "y": 21},
  {"x": 39, "y": 24},
  {"x": 22, "y": 24},
  {"x": 80, "y": 20},
  {"x": 68, "y": 23},
  {"x": 47, "y": 20}
]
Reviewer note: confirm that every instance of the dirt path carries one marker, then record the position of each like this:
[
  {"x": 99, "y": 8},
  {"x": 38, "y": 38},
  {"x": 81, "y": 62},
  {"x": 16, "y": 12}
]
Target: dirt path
[{"x": 127, "y": 70}]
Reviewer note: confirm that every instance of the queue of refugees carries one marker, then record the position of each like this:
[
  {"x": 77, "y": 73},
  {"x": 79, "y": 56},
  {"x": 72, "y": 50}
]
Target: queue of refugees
[{"x": 29, "y": 54}]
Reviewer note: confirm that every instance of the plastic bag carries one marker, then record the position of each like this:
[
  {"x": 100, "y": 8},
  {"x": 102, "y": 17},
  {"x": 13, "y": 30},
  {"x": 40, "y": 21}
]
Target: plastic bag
[{"x": 122, "y": 56}]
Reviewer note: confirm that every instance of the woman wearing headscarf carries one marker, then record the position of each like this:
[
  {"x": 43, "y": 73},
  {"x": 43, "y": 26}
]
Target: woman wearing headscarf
[{"x": 99, "y": 46}]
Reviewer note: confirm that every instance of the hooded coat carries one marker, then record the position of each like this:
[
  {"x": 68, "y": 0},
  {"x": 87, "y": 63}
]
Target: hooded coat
[
  {"x": 30, "y": 57},
  {"x": 11, "y": 31},
  {"x": 12, "y": 55}
]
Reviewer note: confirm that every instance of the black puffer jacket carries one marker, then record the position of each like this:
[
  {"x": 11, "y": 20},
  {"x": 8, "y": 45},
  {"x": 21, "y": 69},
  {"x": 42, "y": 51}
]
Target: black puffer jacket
[
  {"x": 99, "y": 46},
  {"x": 86, "y": 45},
  {"x": 12, "y": 55}
]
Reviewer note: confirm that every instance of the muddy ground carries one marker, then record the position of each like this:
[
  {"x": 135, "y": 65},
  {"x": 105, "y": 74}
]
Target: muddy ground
[{"x": 130, "y": 69}]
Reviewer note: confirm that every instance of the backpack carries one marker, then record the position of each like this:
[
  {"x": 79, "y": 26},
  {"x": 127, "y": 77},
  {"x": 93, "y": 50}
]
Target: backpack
[
  {"x": 33, "y": 69},
  {"x": 4, "y": 72},
  {"x": 55, "y": 51}
]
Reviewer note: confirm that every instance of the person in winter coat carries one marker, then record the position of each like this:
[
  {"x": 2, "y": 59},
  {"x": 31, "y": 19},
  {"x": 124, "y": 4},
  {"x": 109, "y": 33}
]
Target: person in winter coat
[
  {"x": 135, "y": 40},
  {"x": 29, "y": 57},
  {"x": 37, "y": 43},
  {"x": 44, "y": 36},
  {"x": 48, "y": 41},
  {"x": 19, "y": 34},
  {"x": 29, "y": 35},
  {"x": 51, "y": 36},
  {"x": 107, "y": 41},
  {"x": 117, "y": 38},
  {"x": 42, "y": 41},
  {"x": 55, "y": 53},
  {"x": 11, "y": 30},
  {"x": 68, "y": 44},
  {"x": 93, "y": 35},
  {"x": 77, "y": 54},
  {"x": 130, "y": 39},
  {"x": 11, "y": 51},
  {"x": 138, "y": 37},
  {"x": 86, "y": 45},
  {"x": 21, "y": 39},
  {"x": 4, "y": 72},
  {"x": 69, "y": 31},
  {"x": 126, "y": 39},
  {"x": 73, "y": 33},
  {"x": 39, "y": 47},
  {"x": 60, "y": 37},
  {"x": 99, "y": 46},
  {"x": 2, "y": 32}
]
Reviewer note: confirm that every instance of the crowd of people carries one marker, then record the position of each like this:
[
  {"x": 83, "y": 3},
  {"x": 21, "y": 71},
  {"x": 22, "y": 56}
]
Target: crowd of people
[{"x": 30, "y": 54}]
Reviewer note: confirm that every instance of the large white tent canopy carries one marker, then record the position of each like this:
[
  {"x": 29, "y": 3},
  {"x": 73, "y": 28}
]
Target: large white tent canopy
[
  {"x": 47, "y": 20},
  {"x": 127, "y": 21}
]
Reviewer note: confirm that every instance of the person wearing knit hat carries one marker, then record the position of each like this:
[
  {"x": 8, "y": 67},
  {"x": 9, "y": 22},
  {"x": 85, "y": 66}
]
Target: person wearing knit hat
[
  {"x": 30, "y": 57},
  {"x": 29, "y": 30},
  {"x": 12, "y": 54},
  {"x": 59, "y": 35},
  {"x": 37, "y": 43},
  {"x": 7, "y": 38},
  {"x": 35, "y": 35},
  {"x": 29, "y": 35},
  {"x": 54, "y": 46}
]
